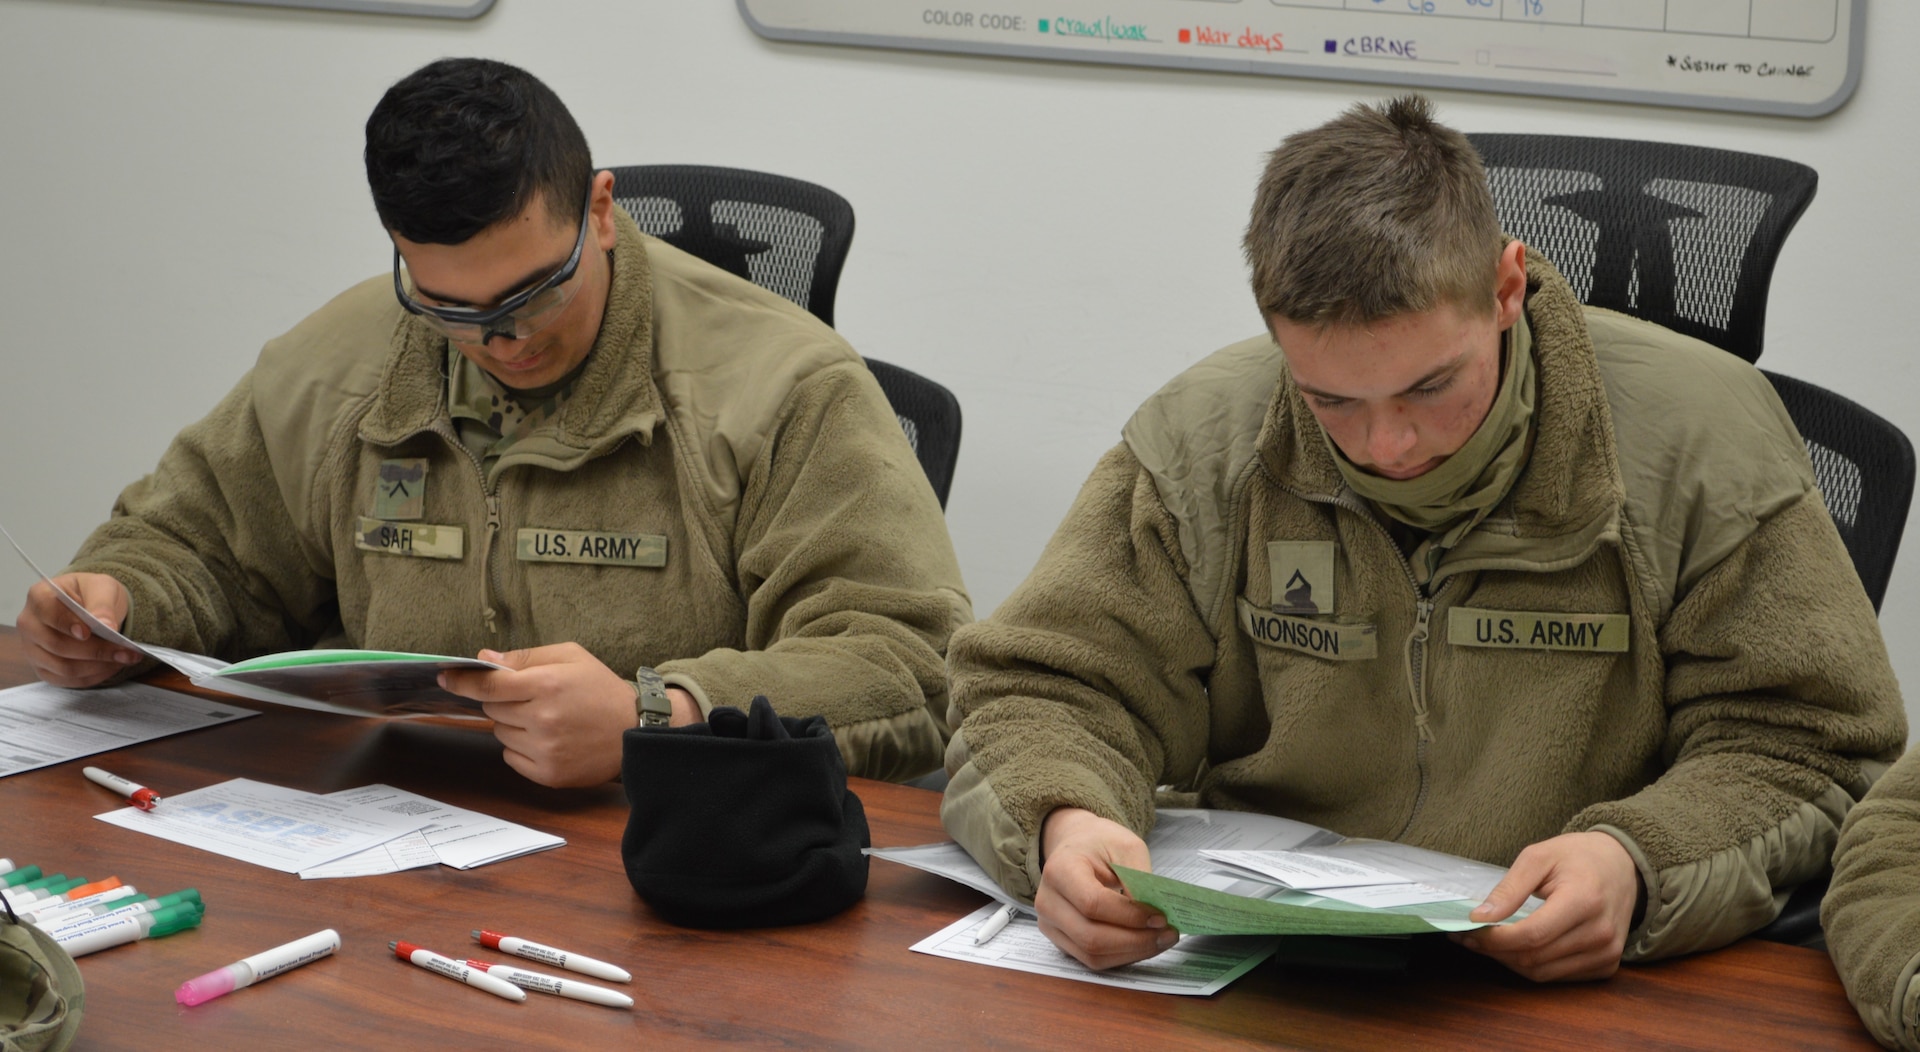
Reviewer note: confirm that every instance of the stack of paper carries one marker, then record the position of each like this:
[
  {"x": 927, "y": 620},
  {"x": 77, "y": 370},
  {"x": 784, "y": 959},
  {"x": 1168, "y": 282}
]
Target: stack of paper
[
  {"x": 1219, "y": 874},
  {"x": 380, "y": 683},
  {"x": 452, "y": 836},
  {"x": 41, "y": 725},
  {"x": 357, "y": 832}
]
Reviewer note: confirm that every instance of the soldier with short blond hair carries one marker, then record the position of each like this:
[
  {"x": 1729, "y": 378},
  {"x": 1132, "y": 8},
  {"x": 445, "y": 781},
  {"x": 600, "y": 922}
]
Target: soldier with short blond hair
[{"x": 1442, "y": 557}]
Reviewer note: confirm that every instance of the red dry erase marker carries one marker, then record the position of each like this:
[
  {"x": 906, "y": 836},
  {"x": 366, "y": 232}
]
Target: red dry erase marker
[
  {"x": 138, "y": 795},
  {"x": 534, "y": 951},
  {"x": 456, "y": 971}
]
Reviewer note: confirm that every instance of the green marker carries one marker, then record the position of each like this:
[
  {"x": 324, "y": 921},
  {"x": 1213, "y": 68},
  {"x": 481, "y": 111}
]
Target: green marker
[
  {"x": 55, "y": 921},
  {"x": 43, "y": 896},
  {"x": 109, "y": 932},
  {"x": 138, "y": 904},
  {"x": 20, "y": 876},
  {"x": 18, "y": 897}
]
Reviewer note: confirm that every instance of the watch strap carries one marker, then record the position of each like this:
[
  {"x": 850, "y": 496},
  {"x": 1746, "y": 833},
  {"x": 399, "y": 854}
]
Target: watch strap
[{"x": 651, "y": 703}]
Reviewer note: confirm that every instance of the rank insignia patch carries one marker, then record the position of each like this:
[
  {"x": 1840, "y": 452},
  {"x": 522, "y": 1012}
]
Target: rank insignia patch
[
  {"x": 1302, "y": 576},
  {"x": 401, "y": 493}
]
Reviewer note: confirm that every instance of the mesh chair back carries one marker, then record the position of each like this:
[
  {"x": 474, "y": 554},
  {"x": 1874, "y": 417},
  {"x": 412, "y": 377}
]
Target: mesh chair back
[
  {"x": 781, "y": 234},
  {"x": 789, "y": 237},
  {"x": 1683, "y": 236},
  {"x": 1864, "y": 466},
  {"x": 930, "y": 415}
]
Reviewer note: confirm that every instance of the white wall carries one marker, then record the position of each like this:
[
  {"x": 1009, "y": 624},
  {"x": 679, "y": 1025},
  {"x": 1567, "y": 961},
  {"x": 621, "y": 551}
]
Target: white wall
[{"x": 180, "y": 181}]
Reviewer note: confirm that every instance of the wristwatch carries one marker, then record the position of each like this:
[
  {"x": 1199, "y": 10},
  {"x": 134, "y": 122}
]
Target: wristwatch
[{"x": 651, "y": 704}]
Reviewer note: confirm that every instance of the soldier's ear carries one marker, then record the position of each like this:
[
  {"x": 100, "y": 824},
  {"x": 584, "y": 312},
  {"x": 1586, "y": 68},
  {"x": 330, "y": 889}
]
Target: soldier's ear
[
  {"x": 1510, "y": 285},
  {"x": 601, "y": 214}
]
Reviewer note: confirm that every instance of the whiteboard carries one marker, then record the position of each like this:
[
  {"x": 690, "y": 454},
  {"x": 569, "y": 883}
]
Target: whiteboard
[
  {"x": 461, "y": 9},
  {"x": 1794, "y": 57}
]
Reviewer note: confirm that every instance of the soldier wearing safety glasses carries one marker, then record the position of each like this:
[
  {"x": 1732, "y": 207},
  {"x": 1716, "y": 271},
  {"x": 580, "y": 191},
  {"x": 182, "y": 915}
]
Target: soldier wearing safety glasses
[{"x": 644, "y": 485}]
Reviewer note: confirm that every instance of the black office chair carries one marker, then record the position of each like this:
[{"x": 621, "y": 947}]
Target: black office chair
[
  {"x": 1865, "y": 468},
  {"x": 790, "y": 237},
  {"x": 1683, "y": 236},
  {"x": 1686, "y": 236}
]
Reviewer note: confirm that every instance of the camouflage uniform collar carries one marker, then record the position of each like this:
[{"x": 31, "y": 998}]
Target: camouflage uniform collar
[
  {"x": 613, "y": 397},
  {"x": 1571, "y": 478}
]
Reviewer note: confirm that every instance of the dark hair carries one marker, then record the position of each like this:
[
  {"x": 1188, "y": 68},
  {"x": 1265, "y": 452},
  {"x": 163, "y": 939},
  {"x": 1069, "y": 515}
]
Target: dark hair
[
  {"x": 464, "y": 143},
  {"x": 1381, "y": 211}
]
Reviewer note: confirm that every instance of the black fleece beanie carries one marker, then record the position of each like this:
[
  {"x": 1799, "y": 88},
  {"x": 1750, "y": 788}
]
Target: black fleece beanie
[{"x": 744, "y": 821}]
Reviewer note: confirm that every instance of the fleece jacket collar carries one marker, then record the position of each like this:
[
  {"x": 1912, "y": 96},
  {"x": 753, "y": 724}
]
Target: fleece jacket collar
[
  {"x": 1567, "y": 498},
  {"x": 614, "y": 397}
]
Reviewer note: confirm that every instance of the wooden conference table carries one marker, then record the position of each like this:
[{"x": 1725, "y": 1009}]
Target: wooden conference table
[{"x": 850, "y": 982}]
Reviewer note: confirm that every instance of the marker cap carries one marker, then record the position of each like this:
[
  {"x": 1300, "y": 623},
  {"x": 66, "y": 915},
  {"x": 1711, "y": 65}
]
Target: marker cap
[
  {"x": 174, "y": 898},
  {"x": 20, "y": 876},
  {"x": 175, "y": 918},
  {"x": 203, "y": 988}
]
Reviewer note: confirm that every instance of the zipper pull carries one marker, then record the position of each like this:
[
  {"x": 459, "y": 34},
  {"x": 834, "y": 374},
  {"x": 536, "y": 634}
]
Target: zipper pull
[
  {"x": 1423, "y": 618},
  {"x": 487, "y": 612}
]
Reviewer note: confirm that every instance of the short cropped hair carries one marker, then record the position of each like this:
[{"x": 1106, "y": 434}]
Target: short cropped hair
[
  {"x": 1380, "y": 211},
  {"x": 464, "y": 143}
]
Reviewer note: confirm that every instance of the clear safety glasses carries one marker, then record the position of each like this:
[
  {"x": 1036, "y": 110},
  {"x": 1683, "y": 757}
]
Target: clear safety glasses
[{"x": 516, "y": 317}]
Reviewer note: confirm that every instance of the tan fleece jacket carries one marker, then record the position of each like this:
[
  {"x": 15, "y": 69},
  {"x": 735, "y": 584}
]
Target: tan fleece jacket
[
  {"x": 1872, "y": 910},
  {"x": 726, "y": 496},
  {"x": 1657, "y": 634}
]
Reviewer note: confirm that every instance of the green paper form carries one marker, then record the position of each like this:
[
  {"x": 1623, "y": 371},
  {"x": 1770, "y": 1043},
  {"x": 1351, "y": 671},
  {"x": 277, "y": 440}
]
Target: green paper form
[{"x": 1194, "y": 910}]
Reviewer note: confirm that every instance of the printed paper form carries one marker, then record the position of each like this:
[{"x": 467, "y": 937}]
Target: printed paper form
[
  {"x": 1303, "y": 870},
  {"x": 267, "y": 825},
  {"x": 410, "y": 851},
  {"x": 1334, "y": 878},
  {"x": 1178, "y": 837},
  {"x": 451, "y": 835},
  {"x": 1196, "y": 965},
  {"x": 203, "y": 671},
  {"x": 41, "y": 725},
  {"x": 1204, "y": 911}
]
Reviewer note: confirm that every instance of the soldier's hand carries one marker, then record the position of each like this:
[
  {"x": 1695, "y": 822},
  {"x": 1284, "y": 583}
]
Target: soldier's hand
[
  {"x": 61, "y": 648},
  {"x": 1590, "y": 885},
  {"x": 558, "y": 711},
  {"x": 1080, "y": 902}
]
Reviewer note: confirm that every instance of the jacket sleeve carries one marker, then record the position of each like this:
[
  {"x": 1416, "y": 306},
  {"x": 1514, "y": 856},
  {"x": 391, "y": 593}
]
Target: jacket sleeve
[
  {"x": 1086, "y": 687},
  {"x": 1872, "y": 911},
  {"x": 1778, "y": 689},
  {"x": 207, "y": 549},
  {"x": 849, "y": 580}
]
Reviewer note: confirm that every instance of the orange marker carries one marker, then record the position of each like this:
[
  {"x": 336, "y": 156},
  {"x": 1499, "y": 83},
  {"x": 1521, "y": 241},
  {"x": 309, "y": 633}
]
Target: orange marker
[{"x": 94, "y": 888}]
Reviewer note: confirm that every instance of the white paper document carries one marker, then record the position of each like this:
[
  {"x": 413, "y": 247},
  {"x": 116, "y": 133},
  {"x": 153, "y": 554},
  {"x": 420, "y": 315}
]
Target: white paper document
[
  {"x": 267, "y": 825},
  {"x": 1177, "y": 840},
  {"x": 1392, "y": 896},
  {"x": 41, "y": 725},
  {"x": 1304, "y": 870},
  {"x": 384, "y": 688},
  {"x": 1196, "y": 965},
  {"x": 401, "y": 853},
  {"x": 452, "y": 836}
]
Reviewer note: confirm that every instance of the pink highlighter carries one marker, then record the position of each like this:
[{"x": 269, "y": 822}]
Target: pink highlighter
[{"x": 249, "y": 970}]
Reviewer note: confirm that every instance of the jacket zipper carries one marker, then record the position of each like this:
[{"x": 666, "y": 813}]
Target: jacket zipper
[
  {"x": 489, "y": 584},
  {"x": 1416, "y": 664},
  {"x": 1414, "y": 656}
]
